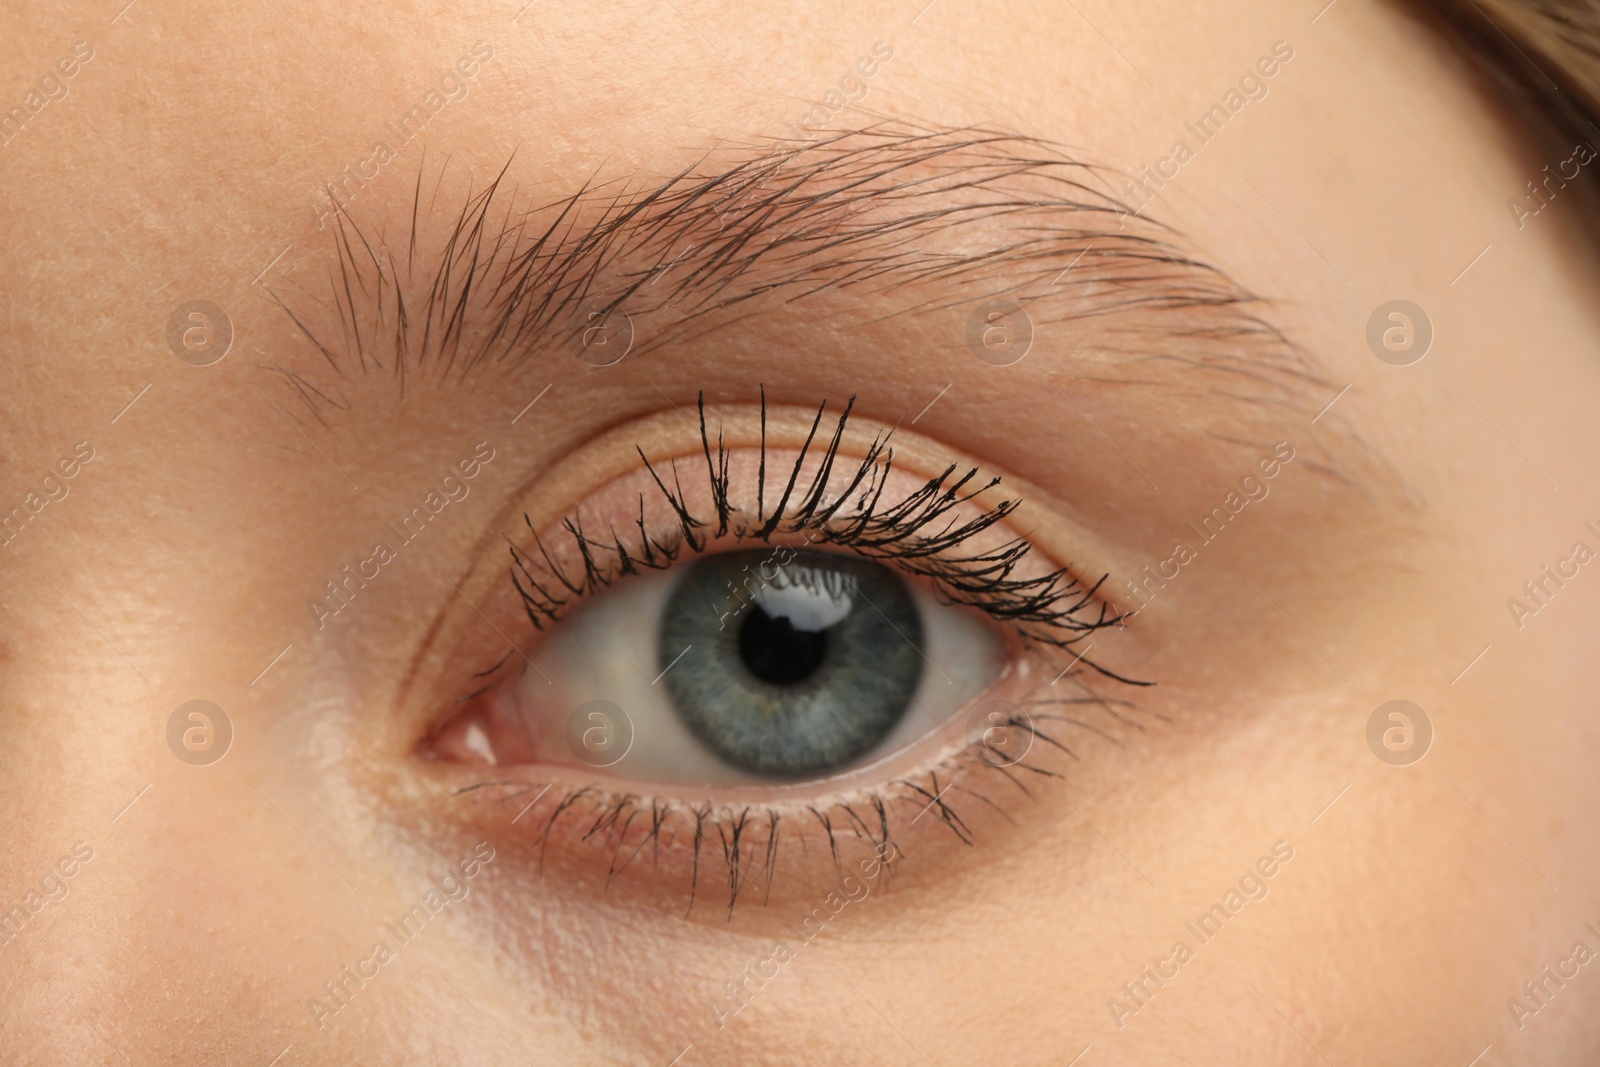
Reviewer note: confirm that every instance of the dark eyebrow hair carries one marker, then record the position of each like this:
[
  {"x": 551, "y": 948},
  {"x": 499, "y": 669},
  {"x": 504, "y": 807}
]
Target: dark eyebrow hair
[{"x": 956, "y": 216}]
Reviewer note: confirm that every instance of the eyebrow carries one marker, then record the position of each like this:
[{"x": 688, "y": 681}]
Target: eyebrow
[{"x": 951, "y": 216}]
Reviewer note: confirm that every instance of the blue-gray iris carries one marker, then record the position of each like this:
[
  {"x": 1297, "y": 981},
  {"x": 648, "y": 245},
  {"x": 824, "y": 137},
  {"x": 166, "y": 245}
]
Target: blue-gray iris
[{"x": 792, "y": 669}]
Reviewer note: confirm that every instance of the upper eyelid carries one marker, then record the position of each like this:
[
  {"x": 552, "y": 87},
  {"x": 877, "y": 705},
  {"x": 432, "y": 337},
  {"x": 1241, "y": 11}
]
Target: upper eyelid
[
  {"x": 854, "y": 209},
  {"x": 1049, "y": 607}
]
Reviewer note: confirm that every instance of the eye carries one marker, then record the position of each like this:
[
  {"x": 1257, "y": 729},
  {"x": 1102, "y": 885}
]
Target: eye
[
  {"x": 770, "y": 648},
  {"x": 743, "y": 667}
]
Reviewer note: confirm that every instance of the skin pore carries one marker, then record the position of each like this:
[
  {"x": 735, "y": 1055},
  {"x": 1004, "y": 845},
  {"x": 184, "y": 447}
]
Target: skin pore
[{"x": 787, "y": 230}]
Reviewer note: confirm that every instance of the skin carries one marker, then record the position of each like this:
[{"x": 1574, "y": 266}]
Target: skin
[{"x": 1418, "y": 898}]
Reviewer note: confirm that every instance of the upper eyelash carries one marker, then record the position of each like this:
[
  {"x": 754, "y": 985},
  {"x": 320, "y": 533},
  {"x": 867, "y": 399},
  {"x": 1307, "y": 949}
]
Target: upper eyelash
[{"x": 1053, "y": 609}]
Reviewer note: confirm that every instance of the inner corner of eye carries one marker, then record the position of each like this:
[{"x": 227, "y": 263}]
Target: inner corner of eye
[{"x": 774, "y": 665}]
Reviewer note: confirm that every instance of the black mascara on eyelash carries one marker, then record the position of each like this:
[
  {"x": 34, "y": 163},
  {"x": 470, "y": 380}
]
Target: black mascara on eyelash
[{"x": 918, "y": 534}]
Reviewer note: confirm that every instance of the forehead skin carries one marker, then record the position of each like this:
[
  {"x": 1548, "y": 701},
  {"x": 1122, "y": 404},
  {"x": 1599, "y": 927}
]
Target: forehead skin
[{"x": 181, "y": 164}]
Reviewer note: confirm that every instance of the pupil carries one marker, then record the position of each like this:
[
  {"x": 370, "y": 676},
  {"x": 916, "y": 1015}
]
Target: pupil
[{"x": 775, "y": 652}]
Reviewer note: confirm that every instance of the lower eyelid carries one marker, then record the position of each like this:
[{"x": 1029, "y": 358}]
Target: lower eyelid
[{"x": 707, "y": 853}]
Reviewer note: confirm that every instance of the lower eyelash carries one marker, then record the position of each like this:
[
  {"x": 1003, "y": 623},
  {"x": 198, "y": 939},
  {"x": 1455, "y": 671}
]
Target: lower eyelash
[
  {"x": 919, "y": 534},
  {"x": 745, "y": 840}
]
